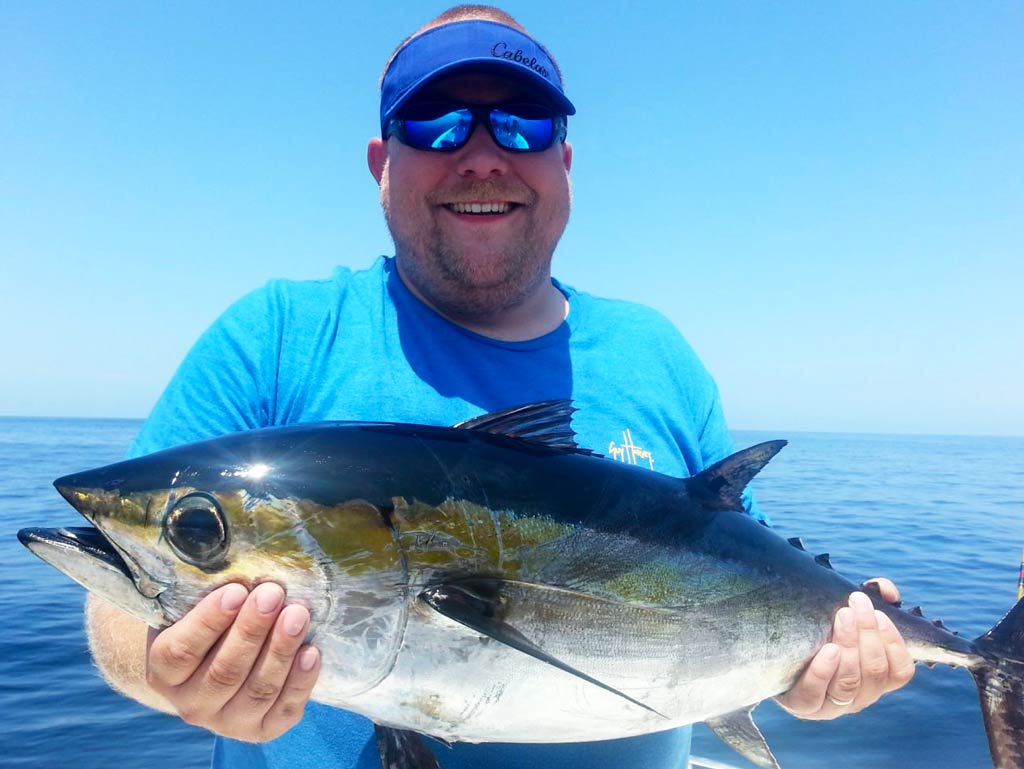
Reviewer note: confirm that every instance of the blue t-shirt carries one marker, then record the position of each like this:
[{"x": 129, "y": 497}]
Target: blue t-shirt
[{"x": 361, "y": 346}]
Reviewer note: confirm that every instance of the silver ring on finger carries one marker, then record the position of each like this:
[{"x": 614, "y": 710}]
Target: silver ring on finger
[{"x": 839, "y": 703}]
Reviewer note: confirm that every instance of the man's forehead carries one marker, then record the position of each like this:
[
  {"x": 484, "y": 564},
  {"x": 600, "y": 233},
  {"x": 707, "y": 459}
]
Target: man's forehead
[{"x": 479, "y": 88}]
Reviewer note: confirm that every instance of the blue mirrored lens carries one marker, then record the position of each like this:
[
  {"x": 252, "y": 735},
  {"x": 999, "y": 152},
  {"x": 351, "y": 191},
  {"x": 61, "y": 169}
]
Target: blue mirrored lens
[
  {"x": 521, "y": 133},
  {"x": 445, "y": 132}
]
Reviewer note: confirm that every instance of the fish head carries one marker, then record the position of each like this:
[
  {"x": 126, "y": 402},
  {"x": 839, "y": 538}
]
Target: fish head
[
  {"x": 285, "y": 504},
  {"x": 173, "y": 526}
]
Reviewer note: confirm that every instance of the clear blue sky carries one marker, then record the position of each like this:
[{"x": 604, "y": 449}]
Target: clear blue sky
[{"x": 826, "y": 198}]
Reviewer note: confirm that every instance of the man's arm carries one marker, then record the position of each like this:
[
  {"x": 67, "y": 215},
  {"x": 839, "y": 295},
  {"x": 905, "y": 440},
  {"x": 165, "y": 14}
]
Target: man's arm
[
  {"x": 865, "y": 659},
  {"x": 236, "y": 664}
]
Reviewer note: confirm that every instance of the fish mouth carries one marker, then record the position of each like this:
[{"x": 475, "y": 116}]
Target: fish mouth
[
  {"x": 88, "y": 557},
  {"x": 83, "y": 540},
  {"x": 94, "y": 494}
]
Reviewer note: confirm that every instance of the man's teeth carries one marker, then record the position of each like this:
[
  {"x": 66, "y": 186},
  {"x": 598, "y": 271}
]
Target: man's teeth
[{"x": 479, "y": 208}]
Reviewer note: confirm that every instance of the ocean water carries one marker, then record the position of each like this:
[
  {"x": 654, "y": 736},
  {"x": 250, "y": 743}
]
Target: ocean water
[{"x": 942, "y": 516}]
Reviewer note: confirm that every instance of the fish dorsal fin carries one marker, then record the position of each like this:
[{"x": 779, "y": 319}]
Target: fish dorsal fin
[
  {"x": 739, "y": 732},
  {"x": 476, "y": 603},
  {"x": 721, "y": 485},
  {"x": 547, "y": 423}
]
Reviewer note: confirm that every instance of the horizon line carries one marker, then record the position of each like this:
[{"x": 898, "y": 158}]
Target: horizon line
[{"x": 732, "y": 429}]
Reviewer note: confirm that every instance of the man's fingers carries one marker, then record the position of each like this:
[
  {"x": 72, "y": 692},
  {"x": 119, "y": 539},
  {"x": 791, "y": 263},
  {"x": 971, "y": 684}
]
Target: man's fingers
[
  {"x": 228, "y": 665},
  {"x": 266, "y": 680},
  {"x": 901, "y": 664},
  {"x": 869, "y": 658},
  {"x": 236, "y": 664},
  {"x": 843, "y": 688},
  {"x": 886, "y": 587},
  {"x": 874, "y": 664},
  {"x": 288, "y": 709},
  {"x": 176, "y": 653},
  {"x": 807, "y": 695}
]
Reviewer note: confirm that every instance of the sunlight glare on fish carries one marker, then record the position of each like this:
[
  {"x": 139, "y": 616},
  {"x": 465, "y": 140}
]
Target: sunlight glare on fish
[
  {"x": 257, "y": 471},
  {"x": 253, "y": 472}
]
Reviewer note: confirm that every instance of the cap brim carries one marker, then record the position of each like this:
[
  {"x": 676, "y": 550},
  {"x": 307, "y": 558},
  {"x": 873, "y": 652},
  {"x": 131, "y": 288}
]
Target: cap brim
[{"x": 544, "y": 89}]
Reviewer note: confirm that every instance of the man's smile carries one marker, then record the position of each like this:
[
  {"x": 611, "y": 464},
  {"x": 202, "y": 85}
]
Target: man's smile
[{"x": 491, "y": 207}]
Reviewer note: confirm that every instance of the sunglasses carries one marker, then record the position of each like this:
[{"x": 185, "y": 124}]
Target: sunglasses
[{"x": 446, "y": 127}]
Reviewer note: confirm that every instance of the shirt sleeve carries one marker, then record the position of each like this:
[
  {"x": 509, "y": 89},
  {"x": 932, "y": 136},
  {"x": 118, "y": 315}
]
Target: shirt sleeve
[
  {"x": 716, "y": 444},
  {"x": 226, "y": 383}
]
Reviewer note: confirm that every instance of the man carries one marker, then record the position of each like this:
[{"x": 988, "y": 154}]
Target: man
[{"x": 473, "y": 168}]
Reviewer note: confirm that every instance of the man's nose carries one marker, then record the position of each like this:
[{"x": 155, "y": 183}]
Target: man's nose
[{"x": 480, "y": 156}]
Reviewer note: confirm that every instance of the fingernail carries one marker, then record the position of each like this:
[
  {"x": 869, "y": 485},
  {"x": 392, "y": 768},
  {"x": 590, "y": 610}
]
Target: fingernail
[
  {"x": 308, "y": 658},
  {"x": 233, "y": 597},
  {"x": 884, "y": 623},
  {"x": 268, "y": 597},
  {"x": 861, "y": 602},
  {"x": 294, "y": 620}
]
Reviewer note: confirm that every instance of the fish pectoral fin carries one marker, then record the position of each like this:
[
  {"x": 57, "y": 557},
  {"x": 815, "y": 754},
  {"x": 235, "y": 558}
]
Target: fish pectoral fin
[
  {"x": 739, "y": 732},
  {"x": 402, "y": 749},
  {"x": 477, "y": 605}
]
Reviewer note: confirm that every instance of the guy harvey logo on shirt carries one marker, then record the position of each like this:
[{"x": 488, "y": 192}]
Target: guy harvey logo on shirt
[{"x": 629, "y": 452}]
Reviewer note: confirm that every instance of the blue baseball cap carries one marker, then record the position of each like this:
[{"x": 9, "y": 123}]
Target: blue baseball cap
[{"x": 477, "y": 45}]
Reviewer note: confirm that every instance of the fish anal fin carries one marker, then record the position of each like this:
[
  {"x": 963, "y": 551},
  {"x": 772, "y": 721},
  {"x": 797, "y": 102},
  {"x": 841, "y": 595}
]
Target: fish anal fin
[
  {"x": 402, "y": 749},
  {"x": 547, "y": 423},
  {"x": 739, "y": 732},
  {"x": 720, "y": 486},
  {"x": 477, "y": 604}
]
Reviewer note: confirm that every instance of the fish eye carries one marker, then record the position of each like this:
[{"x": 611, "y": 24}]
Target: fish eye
[{"x": 197, "y": 530}]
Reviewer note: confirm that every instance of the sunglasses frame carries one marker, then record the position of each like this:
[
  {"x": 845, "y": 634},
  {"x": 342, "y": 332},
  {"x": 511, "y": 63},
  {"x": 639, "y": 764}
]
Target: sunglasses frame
[{"x": 481, "y": 114}]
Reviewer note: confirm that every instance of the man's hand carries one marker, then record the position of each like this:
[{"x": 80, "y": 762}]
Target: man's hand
[
  {"x": 866, "y": 658},
  {"x": 235, "y": 664}
]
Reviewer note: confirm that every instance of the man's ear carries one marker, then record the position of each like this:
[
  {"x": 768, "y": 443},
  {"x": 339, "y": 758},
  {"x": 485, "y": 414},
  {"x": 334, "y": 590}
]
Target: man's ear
[
  {"x": 376, "y": 157},
  {"x": 567, "y": 155}
]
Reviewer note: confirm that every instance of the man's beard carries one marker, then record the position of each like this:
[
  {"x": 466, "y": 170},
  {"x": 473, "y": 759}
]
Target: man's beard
[
  {"x": 448, "y": 280},
  {"x": 455, "y": 283}
]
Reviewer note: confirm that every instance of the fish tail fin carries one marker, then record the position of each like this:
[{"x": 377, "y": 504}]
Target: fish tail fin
[{"x": 1000, "y": 680}]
